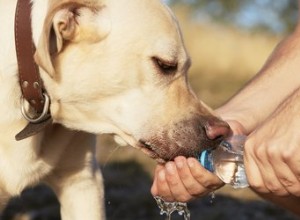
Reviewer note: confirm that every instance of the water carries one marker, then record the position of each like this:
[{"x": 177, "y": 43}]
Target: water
[
  {"x": 226, "y": 161},
  {"x": 167, "y": 208},
  {"x": 212, "y": 197}
]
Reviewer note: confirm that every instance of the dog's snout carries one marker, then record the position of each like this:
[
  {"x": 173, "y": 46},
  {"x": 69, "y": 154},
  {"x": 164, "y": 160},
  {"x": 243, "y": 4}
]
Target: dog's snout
[{"x": 217, "y": 129}]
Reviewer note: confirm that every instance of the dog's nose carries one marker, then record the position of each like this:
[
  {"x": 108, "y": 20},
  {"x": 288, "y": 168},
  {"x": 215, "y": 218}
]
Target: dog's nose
[{"x": 217, "y": 129}]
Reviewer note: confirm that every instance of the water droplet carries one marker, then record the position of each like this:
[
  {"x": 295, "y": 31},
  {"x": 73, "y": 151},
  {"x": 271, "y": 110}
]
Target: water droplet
[
  {"x": 168, "y": 208},
  {"x": 212, "y": 197}
]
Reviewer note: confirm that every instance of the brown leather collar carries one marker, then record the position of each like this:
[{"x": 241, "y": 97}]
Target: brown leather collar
[{"x": 30, "y": 81}]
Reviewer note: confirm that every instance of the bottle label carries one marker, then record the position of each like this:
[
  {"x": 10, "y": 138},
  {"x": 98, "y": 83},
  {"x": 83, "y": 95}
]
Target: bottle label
[{"x": 206, "y": 160}]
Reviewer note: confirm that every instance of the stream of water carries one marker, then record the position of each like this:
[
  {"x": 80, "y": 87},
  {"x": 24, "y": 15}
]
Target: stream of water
[{"x": 167, "y": 208}]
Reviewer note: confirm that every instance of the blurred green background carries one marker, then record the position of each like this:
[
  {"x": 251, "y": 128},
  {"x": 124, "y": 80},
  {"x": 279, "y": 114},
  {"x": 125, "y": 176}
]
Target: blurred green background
[{"x": 228, "y": 41}]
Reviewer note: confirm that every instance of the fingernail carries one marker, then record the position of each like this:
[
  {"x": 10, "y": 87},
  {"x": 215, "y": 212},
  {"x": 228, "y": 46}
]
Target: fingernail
[
  {"x": 170, "y": 168},
  {"x": 162, "y": 175},
  {"x": 191, "y": 163},
  {"x": 179, "y": 163}
]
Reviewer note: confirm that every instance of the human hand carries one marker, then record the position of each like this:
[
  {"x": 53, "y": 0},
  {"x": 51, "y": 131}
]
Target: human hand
[
  {"x": 272, "y": 151},
  {"x": 183, "y": 180}
]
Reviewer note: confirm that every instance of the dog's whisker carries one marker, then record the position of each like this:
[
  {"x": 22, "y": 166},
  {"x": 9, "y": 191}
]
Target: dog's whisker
[{"x": 109, "y": 156}]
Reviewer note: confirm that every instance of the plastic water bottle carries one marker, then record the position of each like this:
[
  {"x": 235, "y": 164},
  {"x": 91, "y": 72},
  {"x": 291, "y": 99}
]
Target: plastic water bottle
[{"x": 226, "y": 161}]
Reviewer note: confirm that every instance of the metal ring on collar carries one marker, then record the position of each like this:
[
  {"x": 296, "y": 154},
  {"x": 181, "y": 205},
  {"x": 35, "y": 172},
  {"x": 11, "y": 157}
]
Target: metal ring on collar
[{"x": 42, "y": 116}]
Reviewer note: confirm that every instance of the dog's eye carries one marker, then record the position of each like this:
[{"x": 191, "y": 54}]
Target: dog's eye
[{"x": 164, "y": 66}]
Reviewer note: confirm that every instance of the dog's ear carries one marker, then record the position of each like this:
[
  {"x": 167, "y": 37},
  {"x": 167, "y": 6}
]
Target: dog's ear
[{"x": 70, "y": 22}]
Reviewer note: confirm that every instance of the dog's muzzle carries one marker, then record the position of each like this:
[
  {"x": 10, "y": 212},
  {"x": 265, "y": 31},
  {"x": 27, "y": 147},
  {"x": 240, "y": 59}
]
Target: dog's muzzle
[{"x": 186, "y": 138}]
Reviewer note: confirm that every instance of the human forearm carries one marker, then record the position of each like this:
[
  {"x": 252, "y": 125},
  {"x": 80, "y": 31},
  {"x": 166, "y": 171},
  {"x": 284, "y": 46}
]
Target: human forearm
[{"x": 278, "y": 78}]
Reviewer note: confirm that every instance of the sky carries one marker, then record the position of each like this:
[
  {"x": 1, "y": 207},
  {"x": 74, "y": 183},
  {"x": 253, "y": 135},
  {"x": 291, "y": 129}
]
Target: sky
[
  {"x": 253, "y": 13},
  {"x": 259, "y": 12}
]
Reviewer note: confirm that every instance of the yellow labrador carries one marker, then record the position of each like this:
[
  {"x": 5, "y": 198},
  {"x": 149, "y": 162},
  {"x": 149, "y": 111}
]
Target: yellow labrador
[{"x": 120, "y": 67}]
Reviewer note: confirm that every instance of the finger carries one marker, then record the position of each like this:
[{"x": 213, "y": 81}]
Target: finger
[
  {"x": 162, "y": 187},
  {"x": 290, "y": 158},
  {"x": 267, "y": 173},
  {"x": 192, "y": 186},
  {"x": 203, "y": 176},
  {"x": 287, "y": 178},
  {"x": 176, "y": 186},
  {"x": 270, "y": 180},
  {"x": 253, "y": 174},
  {"x": 294, "y": 164},
  {"x": 283, "y": 168},
  {"x": 154, "y": 189},
  {"x": 269, "y": 177}
]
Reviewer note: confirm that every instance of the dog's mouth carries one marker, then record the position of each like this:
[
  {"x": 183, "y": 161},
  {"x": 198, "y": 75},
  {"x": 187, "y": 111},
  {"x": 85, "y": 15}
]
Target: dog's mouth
[{"x": 148, "y": 149}]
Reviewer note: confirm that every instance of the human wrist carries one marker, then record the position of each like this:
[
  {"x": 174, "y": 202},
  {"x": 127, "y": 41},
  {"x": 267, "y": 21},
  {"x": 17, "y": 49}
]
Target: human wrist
[{"x": 242, "y": 120}]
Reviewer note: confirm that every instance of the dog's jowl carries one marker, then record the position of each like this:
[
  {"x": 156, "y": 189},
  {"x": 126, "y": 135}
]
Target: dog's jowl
[{"x": 107, "y": 66}]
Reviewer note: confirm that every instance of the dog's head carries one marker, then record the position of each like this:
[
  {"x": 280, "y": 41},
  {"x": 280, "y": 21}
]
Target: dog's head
[{"x": 120, "y": 67}]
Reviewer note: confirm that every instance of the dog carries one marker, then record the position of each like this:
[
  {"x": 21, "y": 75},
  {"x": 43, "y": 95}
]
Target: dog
[{"x": 118, "y": 67}]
